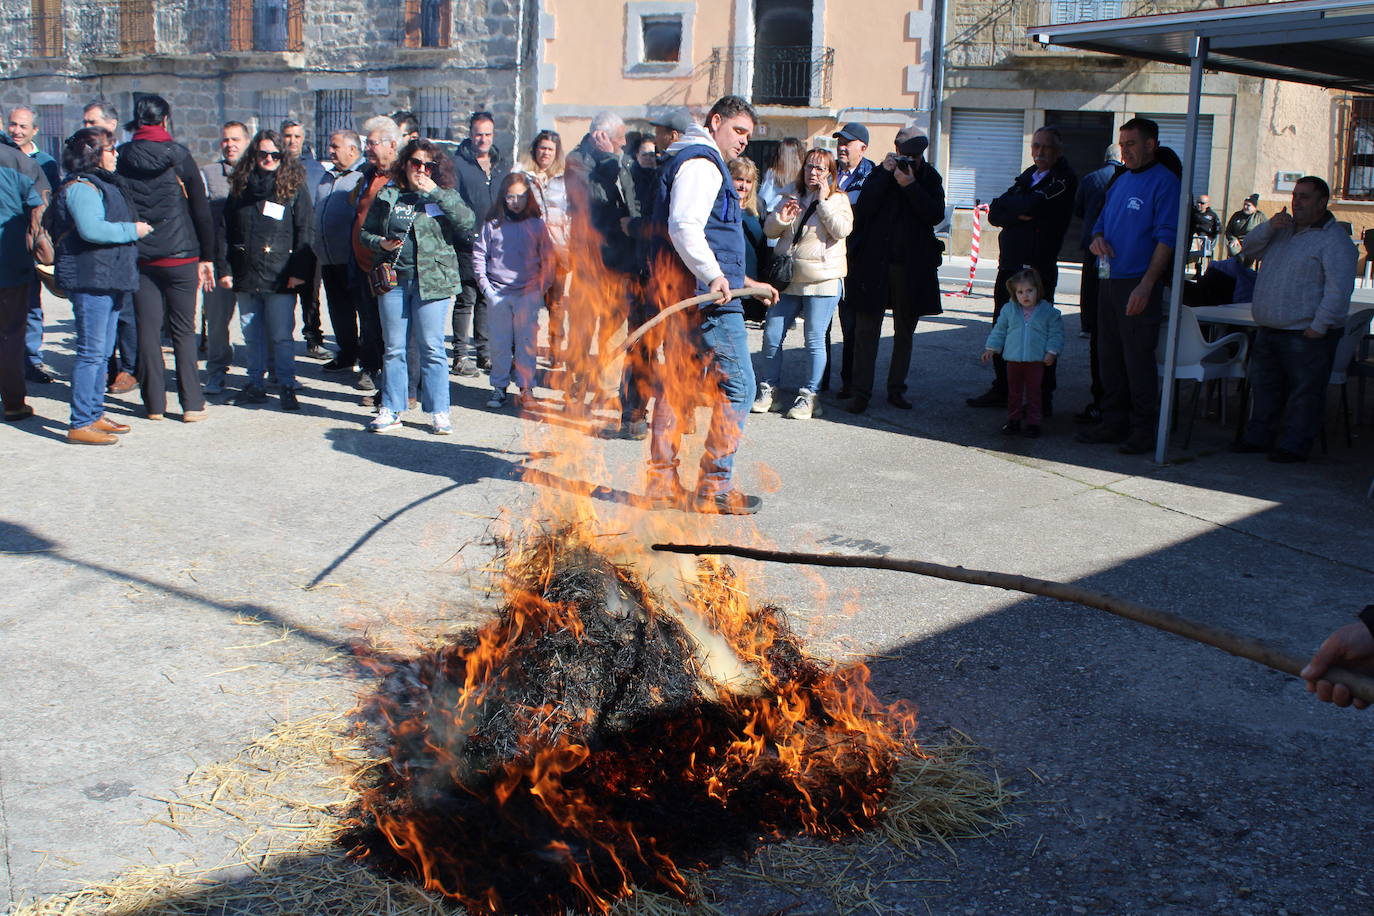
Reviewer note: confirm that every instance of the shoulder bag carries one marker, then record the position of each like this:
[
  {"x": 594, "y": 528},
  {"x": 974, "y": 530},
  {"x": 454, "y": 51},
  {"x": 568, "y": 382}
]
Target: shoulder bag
[
  {"x": 778, "y": 273},
  {"x": 382, "y": 278}
]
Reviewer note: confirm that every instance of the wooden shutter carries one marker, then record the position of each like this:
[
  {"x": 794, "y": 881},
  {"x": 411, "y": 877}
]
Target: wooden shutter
[
  {"x": 410, "y": 24},
  {"x": 241, "y": 25},
  {"x": 295, "y": 25}
]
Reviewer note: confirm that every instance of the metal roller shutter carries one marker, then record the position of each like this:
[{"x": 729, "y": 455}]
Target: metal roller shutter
[
  {"x": 988, "y": 144},
  {"x": 1173, "y": 128}
]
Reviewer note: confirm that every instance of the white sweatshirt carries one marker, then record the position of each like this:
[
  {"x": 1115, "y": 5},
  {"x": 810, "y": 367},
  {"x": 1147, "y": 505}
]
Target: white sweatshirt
[{"x": 694, "y": 193}]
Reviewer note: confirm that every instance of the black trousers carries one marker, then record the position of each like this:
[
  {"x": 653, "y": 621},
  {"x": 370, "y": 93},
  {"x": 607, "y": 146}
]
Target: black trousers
[
  {"x": 1126, "y": 351},
  {"x": 168, "y": 293},
  {"x": 845, "y": 313},
  {"x": 1049, "y": 275},
  {"x": 637, "y": 380},
  {"x": 1087, "y": 318},
  {"x": 868, "y": 329},
  {"x": 309, "y": 293},
  {"x": 357, "y": 328},
  {"x": 469, "y": 313}
]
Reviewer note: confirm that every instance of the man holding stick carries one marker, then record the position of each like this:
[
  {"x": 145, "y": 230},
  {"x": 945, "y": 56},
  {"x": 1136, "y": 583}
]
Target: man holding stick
[{"x": 701, "y": 222}]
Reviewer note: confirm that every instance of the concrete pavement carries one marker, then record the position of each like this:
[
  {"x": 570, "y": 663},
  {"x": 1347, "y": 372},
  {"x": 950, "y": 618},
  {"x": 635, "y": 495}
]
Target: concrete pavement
[{"x": 165, "y": 601}]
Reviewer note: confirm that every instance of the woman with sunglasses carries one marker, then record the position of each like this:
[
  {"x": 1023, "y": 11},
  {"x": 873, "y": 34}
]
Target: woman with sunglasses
[
  {"x": 413, "y": 225},
  {"x": 96, "y": 262},
  {"x": 264, "y": 254}
]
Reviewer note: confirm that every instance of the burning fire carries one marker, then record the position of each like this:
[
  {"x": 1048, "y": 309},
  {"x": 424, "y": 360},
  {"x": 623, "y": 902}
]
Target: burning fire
[{"x": 628, "y": 715}]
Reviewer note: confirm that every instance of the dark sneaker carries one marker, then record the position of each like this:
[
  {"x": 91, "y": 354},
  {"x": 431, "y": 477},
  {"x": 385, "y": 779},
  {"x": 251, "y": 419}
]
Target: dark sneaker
[
  {"x": 288, "y": 398},
  {"x": 1032, "y": 431},
  {"x": 484, "y": 364},
  {"x": 1011, "y": 428},
  {"x": 1090, "y": 414},
  {"x": 859, "y": 406},
  {"x": 844, "y": 394},
  {"x": 335, "y": 366},
  {"x": 634, "y": 429},
  {"x": 1102, "y": 434},
  {"x": 465, "y": 368},
  {"x": 315, "y": 351},
  {"x": 365, "y": 382},
  {"x": 896, "y": 400},
  {"x": 731, "y": 502},
  {"x": 1242, "y": 447},
  {"x": 37, "y": 375},
  {"x": 1284, "y": 456},
  {"x": 987, "y": 399},
  {"x": 250, "y": 395}
]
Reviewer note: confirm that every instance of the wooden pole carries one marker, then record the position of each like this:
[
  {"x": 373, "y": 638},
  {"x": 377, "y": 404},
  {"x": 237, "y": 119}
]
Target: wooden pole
[
  {"x": 749, "y": 292},
  {"x": 1360, "y": 685}
]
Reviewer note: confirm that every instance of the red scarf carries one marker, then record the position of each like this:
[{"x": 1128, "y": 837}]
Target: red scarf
[{"x": 154, "y": 132}]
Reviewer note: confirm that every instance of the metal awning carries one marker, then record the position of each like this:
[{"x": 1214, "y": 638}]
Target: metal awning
[
  {"x": 1322, "y": 42},
  {"x": 1326, "y": 43}
]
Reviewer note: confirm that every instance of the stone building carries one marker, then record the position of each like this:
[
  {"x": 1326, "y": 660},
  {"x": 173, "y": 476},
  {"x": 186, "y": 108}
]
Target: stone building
[
  {"x": 326, "y": 63},
  {"x": 1253, "y": 134}
]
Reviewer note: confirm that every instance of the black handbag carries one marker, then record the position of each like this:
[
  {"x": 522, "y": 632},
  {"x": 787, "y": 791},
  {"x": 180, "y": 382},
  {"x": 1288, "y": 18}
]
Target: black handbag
[
  {"x": 381, "y": 278},
  {"x": 778, "y": 272}
]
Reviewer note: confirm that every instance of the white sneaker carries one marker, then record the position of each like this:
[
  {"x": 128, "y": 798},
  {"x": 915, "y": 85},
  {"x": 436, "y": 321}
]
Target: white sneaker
[
  {"x": 804, "y": 407},
  {"x": 385, "y": 422},
  {"x": 442, "y": 425},
  {"x": 764, "y": 402},
  {"x": 497, "y": 399}
]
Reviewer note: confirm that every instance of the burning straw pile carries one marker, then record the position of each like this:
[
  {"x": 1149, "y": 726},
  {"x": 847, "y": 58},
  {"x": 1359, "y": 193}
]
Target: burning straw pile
[{"x": 575, "y": 751}]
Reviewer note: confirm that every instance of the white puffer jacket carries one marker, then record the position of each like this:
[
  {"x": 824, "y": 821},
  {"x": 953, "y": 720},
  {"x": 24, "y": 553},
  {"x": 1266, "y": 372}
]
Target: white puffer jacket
[{"x": 819, "y": 261}]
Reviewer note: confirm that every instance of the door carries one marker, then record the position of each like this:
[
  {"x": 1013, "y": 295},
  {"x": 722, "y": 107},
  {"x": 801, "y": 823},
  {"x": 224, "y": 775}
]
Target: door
[
  {"x": 782, "y": 52},
  {"x": 987, "y": 150},
  {"x": 1086, "y": 134}
]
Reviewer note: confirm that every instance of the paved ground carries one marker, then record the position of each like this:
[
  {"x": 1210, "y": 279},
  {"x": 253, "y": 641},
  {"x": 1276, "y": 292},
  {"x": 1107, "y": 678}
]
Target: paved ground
[{"x": 143, "y": 588}]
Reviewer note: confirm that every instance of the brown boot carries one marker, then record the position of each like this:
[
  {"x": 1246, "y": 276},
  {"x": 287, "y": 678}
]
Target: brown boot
[
  {"x": 123, "y": 382},
  {"x": 106, "y": 425},
  {"x": 89, "y": 435}
]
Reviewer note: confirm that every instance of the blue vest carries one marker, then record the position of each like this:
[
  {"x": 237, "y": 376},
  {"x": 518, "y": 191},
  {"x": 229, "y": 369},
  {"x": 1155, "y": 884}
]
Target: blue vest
[
  {"x": 724, "y": 227},
  {"x": 81, "y": 266}
]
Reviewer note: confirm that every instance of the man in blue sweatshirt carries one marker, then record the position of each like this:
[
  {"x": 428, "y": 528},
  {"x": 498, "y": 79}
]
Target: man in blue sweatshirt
[{"x": 1133, "y": 240}]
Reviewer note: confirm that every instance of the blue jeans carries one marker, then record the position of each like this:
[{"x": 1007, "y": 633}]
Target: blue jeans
[
  {"x": 33, "y": 338},
  {"x": 724, "y": 348},
  {"x": 403, "y": 310},
  {"x": 268, "y": 317},
  {"x": 816, "y": 312},
  {"x": 97, "y": 322},
  {"x": 1289, "y": 370}
]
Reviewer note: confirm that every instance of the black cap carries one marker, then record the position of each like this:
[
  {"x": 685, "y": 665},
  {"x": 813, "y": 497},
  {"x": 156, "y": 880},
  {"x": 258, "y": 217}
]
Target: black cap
[
  {"x": 1254, "y": 199},
  {"x": 852, "y": 131}
]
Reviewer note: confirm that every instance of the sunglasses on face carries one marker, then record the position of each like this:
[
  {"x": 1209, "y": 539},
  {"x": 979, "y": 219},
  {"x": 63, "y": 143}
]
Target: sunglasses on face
[
  {"x": 420, "y": 164},
  {"x": 269, "y": 155}
]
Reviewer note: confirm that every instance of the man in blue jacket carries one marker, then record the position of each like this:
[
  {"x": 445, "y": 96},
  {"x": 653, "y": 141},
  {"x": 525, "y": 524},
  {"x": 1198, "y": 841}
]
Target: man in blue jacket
[
  {"x": 701, "y": 220},
  {"x": 1134, "y": 241}
]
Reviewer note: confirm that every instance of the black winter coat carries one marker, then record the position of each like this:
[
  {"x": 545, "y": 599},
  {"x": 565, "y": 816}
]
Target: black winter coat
[
  {"x": 477, "y": 188},
  {"x": 597, "y": 183},
  {"x": 896, "y": 225},
  {"x": 1034, "y": 242},
  {"x": 261, "y": 253},
  {"x": 165, "y": 187}
]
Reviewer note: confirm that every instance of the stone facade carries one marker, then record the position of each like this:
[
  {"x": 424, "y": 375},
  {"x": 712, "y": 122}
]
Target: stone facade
[{"x": 351, "y": 55}]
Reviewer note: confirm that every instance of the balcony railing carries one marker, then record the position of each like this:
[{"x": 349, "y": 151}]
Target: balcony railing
[{"x": 796, "y": 77}]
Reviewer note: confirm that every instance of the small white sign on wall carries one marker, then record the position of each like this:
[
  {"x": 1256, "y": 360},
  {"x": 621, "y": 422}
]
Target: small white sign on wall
[
  {"x": 378, "y": 85},
  {"x": 1286, "y": 181}
]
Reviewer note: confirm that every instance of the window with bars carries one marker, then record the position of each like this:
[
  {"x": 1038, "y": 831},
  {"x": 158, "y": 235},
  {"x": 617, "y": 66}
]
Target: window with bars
[
  {"x": 1357, "y": 180},
  {"x": 136, "y": 31},
  {"x": 266, "y": 25},
  {"x": 426, "y": 24},
  {"x": 51, "y": 131},
  {"x": 434, "y": 108},
  {"x": 1083, "y": 10},
  {"x": 333, "y": 111},
  {"x": 47, "y": 28},
  {"x": 274, "y": 106}
]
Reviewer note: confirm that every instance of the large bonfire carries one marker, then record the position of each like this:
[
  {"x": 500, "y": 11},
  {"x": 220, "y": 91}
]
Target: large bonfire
[{"x": 628, "y": 715}]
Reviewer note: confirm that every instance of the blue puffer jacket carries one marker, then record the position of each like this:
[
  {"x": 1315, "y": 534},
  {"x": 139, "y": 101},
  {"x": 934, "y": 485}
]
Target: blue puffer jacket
[{"x": 1021, "y": 341}]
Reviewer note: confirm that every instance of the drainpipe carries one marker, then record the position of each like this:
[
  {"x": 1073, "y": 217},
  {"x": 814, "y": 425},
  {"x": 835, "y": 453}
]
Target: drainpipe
[
  {"x": 939, "y": 22},
  {"x": 520, "y": 106}
]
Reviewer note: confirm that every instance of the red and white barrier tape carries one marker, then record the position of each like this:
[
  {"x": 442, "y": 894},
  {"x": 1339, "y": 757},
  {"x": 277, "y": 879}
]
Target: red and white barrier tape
[{"x": 978, "y": 213}]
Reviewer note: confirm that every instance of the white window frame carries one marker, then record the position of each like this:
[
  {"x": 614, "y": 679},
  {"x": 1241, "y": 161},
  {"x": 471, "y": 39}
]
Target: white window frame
[{"x": 636, "y": 11}]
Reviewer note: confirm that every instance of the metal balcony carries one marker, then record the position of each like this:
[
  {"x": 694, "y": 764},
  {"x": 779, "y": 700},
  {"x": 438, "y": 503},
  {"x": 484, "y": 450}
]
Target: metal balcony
[{"x": 793, "y": 77}]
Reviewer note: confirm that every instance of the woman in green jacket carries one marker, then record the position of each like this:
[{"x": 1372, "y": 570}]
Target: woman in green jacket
[{"x": 413, "y": 224}]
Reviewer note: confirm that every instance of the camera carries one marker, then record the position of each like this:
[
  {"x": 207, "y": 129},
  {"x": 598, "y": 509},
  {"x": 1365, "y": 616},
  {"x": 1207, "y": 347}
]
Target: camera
[{"x": 906, "y": 163}]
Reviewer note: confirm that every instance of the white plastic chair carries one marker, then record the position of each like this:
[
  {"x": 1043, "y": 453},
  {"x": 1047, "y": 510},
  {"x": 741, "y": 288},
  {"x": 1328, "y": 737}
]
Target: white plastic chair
[
  {"x": 1356, "y": 327},
  {"x": 1202, "y": 360}
]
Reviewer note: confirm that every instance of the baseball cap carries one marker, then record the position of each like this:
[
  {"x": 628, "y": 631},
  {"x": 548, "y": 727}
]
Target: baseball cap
[
  {"x": 678, "y": 119},
  {"x": 852, "y": 131},
  {"x": 1253, "y": 198}
]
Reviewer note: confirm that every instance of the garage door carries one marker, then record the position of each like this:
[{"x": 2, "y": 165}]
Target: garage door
[
  {"x": 1173, "y": 128},
  {"x": 987, "y": 147}
]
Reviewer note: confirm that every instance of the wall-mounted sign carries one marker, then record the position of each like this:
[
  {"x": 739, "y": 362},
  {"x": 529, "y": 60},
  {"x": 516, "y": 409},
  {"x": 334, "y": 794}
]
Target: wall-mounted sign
[{"x": 378, "y": 85}]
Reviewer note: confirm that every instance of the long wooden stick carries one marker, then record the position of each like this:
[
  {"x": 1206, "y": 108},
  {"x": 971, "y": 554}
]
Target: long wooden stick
[
  {"x": 748, "y": 292},
  {"x": 1360, "y": 685}
]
